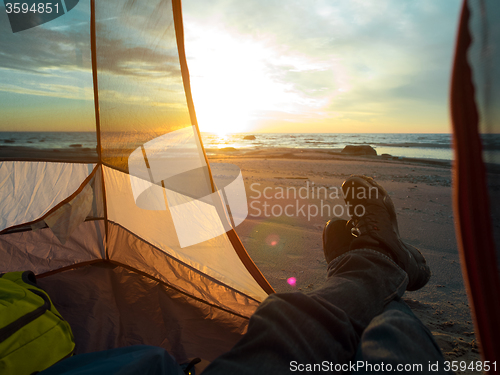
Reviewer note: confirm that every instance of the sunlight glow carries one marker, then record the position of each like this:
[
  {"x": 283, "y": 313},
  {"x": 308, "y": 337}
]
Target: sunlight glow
[
  {"x": 320, "y": 68},
  {"x": 232, "y": 81}
]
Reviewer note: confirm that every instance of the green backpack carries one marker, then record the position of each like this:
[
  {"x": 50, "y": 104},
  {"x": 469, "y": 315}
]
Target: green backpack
[{"x": 33, "y": 335}]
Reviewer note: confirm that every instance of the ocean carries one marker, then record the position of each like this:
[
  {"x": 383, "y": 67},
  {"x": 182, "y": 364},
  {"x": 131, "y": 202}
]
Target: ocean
[
  {"x": 427, "y": 146},
  {"x": 432, "y": 146}
]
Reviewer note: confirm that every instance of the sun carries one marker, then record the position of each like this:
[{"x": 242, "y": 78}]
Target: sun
[
  {"x": 219, "y": 116},
  {"x": 231, "y": 83}
]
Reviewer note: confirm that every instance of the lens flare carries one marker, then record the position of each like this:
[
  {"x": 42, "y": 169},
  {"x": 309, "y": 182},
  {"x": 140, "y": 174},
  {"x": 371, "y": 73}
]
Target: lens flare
[
  {"x": 292, "y": 281},
  {"x": 272, "y": 239}
]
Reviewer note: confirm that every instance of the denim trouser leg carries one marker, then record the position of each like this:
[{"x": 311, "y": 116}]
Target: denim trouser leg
[
  {"x": 293, "y": 329},
  {"x": 398, "y": 337}
]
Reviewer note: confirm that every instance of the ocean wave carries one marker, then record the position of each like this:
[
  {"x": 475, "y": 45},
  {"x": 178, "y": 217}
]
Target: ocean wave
[{"x": 415, "y": 144}]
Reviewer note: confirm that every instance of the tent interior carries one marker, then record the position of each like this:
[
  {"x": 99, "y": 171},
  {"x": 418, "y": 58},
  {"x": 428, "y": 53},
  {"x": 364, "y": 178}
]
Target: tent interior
[
  {"x": 117, "y": 272},
  {"x": 123, "y": 275}
]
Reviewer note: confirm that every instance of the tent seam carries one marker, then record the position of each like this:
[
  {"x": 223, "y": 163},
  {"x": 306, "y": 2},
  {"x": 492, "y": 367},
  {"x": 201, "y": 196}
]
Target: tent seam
[
  {"x": 130, "y": 268},
  {"x": 184, "y": 264}
]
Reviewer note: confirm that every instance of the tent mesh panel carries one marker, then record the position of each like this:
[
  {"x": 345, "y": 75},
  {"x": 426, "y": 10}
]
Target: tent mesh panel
[{"x": 141, "y": 93}]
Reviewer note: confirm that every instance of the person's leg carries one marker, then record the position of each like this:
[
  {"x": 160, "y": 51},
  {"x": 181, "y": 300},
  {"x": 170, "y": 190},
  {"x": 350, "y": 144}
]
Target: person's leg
[
  {"x": 291, "y": 330},
  {"x": 130, "y": 360},
  {"x": 321, "y": 331},
  {"x": 386, "y": 340}
]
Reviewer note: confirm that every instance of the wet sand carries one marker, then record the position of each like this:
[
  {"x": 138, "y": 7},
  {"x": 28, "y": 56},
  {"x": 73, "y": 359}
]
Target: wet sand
[{"x": 72, "y": 154}]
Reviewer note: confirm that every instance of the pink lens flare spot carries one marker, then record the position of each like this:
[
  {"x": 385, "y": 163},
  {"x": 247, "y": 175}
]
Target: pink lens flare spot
[
  {"x": 292, "y": 281},
  {"x": 272, "y": 239}
]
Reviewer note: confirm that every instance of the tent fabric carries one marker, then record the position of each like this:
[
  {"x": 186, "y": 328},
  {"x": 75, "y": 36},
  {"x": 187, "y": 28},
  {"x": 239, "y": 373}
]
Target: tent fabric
[
  {"x": 116, "y": 269},
  {"x": 215, "y": 257},
  {"x": 58, "y": 54},
  {"x": 40, "y": 251},
  {"x": 28, "y": 190},
  {"x": 484, "y": 59},
  {"x": 140, "y": 86},
  {"x": 470, "y": 95},
  {"x": 117, "y": 307},
  {"x": 130, "y": 250}
]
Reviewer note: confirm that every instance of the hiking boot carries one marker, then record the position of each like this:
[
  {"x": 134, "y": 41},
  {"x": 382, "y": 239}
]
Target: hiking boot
[
  {"x": 336, "y": 238},
  {"x": 375, "y": 226}
]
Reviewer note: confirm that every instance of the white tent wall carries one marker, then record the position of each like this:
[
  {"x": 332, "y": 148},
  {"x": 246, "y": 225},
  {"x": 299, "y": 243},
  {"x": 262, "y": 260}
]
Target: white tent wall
[
  {"x": 128, "y": 250},
  {"x": 40, "y": 251},
  {"x": 215, "y": 258},
  {"x": 44, "y": 218},
  {"x": 121, "y": 290},
  {"x": 28, "y": 190}
]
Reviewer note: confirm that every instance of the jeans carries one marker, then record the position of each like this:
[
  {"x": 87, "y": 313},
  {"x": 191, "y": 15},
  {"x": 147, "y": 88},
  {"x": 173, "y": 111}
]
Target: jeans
[
  {"x": 130, "y": 360},
  {"x": 357, "y": 315}
]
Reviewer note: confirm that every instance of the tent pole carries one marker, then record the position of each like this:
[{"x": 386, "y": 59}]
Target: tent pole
[
  {"x": 179, "y": 34},
  {"x": 93, "y": 47},
  {"x": 233, "y": 237}
]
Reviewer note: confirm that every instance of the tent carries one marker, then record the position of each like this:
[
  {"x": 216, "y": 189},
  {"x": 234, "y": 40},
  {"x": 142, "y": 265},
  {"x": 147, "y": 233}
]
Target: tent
[
  {"x": 475, "y": 110},
  {"x": 119, "y": 272}
]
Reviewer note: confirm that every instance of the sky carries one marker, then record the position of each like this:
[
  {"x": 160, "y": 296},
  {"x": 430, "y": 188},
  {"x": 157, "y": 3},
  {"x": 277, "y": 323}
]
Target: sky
[
  {"x": 322, "y": 66},
  {"x": 337, "y": 66}
]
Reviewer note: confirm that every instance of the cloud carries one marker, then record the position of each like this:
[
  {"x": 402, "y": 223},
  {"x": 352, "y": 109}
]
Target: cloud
[
  {"x": 115, "y": 57},
  {"x": 350, "y": 57},
  {"x": 50, "y": 90},
  {"x": 38, "y": 48},
  {"x": 343, "y": 59},
  {"x": 68, "y": 48}
]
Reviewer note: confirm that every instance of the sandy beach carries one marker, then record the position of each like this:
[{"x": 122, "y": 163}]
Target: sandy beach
[
  {"x": 290, "y": 246},
  {"x": 293, "y": 192}
]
